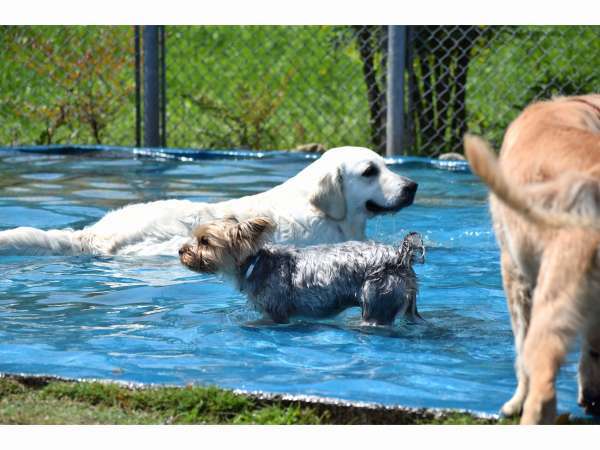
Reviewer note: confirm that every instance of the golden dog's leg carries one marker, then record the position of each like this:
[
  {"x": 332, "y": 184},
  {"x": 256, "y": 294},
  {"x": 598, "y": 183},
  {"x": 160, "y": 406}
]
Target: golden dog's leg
[
  {"x": 518, "y": 295},
  {"x": 558, "y": 303}
]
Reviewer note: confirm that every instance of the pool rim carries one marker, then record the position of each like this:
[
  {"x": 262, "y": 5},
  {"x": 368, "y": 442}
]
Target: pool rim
[{"x": 193, "y": 154}]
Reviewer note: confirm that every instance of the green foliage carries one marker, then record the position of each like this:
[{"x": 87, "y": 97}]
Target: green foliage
[
  {"x": 265, "y": 87},
  {"x": 274, "y": 86},
  {"x": 525, "y": 63},
  {"x": 249, "y": 119},
  {"x": 64, "y": 84}
]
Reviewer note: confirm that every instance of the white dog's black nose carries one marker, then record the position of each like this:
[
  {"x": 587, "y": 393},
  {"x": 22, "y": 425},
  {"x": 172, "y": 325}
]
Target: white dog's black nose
[
  {"x": 408, "y": 192},
  {"x": 411, "y": 188}
]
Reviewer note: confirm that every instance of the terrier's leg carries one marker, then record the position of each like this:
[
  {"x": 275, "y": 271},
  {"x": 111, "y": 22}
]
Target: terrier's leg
[{"x": 383, "y": 297}]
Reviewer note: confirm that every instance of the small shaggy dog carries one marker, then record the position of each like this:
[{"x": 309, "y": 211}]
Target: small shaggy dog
[{"x": 316, "y": 281}]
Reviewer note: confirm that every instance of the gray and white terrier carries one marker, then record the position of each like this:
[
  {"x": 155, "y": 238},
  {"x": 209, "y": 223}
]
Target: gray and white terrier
[{"x": 316, "y": 281}]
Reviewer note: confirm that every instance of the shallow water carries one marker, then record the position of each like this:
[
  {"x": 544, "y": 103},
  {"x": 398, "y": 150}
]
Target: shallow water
[{"x": 150, "y": 320}]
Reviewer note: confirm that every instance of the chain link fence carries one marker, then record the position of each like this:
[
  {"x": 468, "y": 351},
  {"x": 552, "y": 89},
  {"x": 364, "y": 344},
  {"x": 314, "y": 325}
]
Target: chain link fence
[
  {"x": 63, "y": 84},
  {"x": 274, "y": 87},
  {"x": 287, "y": 87},
  {"x": 478, "y": 78}
]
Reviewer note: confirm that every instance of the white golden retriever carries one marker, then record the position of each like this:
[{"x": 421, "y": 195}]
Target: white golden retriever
[{"x": 329, "y": 201}]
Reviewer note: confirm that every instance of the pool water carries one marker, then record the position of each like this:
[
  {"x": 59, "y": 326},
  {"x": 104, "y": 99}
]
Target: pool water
[{"x": 150, "y": 320}]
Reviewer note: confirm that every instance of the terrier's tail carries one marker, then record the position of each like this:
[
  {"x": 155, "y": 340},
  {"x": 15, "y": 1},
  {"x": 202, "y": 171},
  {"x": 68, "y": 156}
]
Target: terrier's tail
[
  {"x": 571, "y": 200},
  {"x": 33, "y": 241},
  {"x": 412, "y": 249}
]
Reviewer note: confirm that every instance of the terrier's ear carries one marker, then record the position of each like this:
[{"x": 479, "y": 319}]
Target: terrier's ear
[
  {"x": 249, "y": 235},
  {"x": 329, "y": 197}
]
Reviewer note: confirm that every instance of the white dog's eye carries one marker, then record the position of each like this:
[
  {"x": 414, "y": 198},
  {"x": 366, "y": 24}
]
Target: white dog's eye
[
  {"x": 203, "y": 240},
  {"x": 370, "y": 171}
]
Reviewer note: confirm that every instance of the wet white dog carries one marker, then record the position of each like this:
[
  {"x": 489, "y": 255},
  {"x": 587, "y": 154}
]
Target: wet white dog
[{"x": 327, "y": 202}]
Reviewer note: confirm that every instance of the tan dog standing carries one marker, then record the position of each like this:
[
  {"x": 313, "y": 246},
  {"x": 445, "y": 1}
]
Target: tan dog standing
[{"x": 545, "y": 205}]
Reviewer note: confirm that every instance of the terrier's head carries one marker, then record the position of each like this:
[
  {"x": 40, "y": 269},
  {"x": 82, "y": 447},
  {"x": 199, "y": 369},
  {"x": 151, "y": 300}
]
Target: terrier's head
[{"x": 222, "y": 246}]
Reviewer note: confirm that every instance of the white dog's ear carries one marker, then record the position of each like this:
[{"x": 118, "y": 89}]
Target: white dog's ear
[{"x": 329, "y": 197}]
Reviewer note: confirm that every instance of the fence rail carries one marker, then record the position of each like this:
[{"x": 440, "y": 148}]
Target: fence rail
[{"x": 413, "y": 90}]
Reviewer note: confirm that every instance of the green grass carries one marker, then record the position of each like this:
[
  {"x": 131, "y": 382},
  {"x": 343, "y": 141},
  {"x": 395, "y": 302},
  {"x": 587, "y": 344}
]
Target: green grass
[
  {"x": 262, "y": 87},
  {"x": 58, "y": 402},
  {"x": 39, "y": 401},
  {"x": 35, "y": 400}
]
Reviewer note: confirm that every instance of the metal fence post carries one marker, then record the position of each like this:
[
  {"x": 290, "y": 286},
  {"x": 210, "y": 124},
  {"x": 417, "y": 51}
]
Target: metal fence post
[
  {"x": 138, "y": 87},
  {"x": 395, "y": 89},
  {"x": 163, "y": 86},
  {"x": 151, "y": 87}
]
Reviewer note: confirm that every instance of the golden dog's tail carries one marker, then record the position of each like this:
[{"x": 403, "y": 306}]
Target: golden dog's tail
[{"x": 571, "y": 200}]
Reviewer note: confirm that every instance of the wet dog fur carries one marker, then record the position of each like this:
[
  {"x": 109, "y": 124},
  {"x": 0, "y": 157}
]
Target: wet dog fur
[{"x": 316, "y": 281}]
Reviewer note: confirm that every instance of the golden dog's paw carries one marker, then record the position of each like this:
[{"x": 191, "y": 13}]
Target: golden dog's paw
[
  {"x": 539, "y": 410},
  {"x": 513, "y": 407}
]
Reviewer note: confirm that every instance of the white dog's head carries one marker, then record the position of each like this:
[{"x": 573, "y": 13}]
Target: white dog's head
[{"x": 354, "y": 181}]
